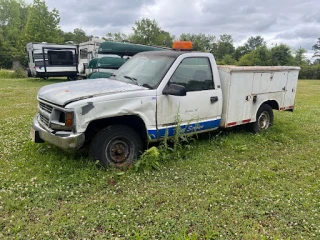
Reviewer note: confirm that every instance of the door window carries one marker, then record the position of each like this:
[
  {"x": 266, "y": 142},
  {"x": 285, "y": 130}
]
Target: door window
[{"x": 194, "y": 74}]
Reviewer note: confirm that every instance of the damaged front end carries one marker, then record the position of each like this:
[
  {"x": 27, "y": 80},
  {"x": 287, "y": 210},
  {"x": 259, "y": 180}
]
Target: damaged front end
[{"x": 56, "y": 125}]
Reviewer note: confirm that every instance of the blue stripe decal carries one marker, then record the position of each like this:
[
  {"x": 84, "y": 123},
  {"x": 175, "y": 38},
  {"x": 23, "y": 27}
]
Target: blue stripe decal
[{"x": 187, "y": 128}]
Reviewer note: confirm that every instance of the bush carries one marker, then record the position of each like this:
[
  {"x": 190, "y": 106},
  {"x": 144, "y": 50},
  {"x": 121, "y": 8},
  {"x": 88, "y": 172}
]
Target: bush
[
  {"x": 5, "y": 73},
  {"x": 18, "y": 73},
  {"x": 258, "y": 57},
  {"x": 310, "y": 72}
]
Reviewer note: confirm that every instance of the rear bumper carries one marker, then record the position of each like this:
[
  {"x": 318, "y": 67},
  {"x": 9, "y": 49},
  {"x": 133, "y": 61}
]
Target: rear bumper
[{"x": 64, "y": 140}]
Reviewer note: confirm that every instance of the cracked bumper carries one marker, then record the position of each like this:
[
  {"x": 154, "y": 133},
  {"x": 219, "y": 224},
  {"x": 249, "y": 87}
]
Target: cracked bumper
[{"x": 64, "y": 140}]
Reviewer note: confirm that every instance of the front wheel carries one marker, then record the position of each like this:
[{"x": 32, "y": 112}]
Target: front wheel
[
  {"x": 117, "y": 145},
  {"x": 264, "y": 119}
]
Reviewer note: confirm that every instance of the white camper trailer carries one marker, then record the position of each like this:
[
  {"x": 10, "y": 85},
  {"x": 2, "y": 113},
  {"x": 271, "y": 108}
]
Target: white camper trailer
[
  {"x": 52, "y": 60},
  {"x": 88, "y": 51}
]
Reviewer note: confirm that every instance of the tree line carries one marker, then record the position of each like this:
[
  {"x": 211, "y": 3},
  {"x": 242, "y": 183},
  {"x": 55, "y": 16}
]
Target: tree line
[{"x": 21, "y": 23}]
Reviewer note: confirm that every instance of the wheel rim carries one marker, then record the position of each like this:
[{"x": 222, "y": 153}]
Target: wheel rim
[
  {"x": 264, "y": 120},
  {"x": 119, "y": 151}
]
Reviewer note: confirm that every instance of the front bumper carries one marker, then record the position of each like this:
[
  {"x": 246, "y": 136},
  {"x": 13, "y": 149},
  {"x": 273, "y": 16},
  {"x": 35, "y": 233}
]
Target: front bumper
[{"x": 64, "y": 140}]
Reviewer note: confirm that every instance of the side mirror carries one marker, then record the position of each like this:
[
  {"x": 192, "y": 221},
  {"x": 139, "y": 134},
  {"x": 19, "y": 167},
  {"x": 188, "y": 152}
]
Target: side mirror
[{"x": 175, "y": 90}]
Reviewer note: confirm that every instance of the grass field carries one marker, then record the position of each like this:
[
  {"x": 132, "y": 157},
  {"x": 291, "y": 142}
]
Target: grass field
[{"x": 234, "y": 185}]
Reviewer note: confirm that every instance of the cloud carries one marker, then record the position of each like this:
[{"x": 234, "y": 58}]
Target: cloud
[
  {"x": 293, "y": 22},
  {"x": 97, "y": 17}
]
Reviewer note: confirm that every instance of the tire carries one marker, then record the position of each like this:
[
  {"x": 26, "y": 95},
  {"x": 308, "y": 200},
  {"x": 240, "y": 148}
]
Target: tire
[
  {"x": 117, "y": 146},
  {"x": 29, "y": 73},
  {"x": 72, "y": 78},
  {"x": 264, "y": 119}
]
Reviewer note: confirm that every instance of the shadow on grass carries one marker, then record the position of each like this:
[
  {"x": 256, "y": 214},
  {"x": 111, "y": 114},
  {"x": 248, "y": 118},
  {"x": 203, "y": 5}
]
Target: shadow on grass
[{"x": 54, "y": 158}]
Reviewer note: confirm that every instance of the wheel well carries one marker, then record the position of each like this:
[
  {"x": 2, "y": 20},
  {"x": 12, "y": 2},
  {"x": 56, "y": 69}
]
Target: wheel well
[
  {"x": 135, "y": 122},
  {"x": 273, "y": 104}
]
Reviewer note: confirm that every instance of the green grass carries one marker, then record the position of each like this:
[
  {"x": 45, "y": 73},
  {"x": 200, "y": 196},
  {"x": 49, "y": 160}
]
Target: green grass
[
  {"x": 233, "y": 185},
  {"x": 19, "y": 73}
]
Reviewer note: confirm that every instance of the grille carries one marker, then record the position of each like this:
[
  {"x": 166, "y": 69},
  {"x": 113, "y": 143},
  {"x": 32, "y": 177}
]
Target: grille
[
  {"x": 44, "y": 120},
  {"x": 45, "y": 107}
]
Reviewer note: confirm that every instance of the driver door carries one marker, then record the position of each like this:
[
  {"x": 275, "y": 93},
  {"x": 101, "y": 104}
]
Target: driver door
[{"x": 200, "y": 109}]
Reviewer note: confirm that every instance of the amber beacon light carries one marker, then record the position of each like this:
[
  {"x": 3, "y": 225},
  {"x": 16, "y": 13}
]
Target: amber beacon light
[{"x": 184, "y": 45}]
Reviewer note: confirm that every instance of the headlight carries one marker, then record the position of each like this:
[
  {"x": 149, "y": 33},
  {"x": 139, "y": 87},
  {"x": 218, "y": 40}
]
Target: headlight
[{"x": 61, "y": 120}]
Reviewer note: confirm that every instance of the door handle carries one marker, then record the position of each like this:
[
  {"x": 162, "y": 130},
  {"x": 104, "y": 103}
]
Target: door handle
[{"x": 213, "y": 99}]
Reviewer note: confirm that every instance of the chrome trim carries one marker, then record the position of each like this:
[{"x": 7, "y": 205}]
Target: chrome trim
[{"x": 67, "y": 141}]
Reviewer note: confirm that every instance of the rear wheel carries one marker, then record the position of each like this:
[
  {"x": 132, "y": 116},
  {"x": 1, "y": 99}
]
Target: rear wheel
[
  {"x": 117, "y": 145},
  {"x": 264, "y": 119},
  {"x": 72, "y": 78}
]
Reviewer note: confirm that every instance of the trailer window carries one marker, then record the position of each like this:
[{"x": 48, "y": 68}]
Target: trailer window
[
  {"x": 60, "y": 57},
  {"x": 194, "y": 74},
  {"x": 83, "y": 53}
]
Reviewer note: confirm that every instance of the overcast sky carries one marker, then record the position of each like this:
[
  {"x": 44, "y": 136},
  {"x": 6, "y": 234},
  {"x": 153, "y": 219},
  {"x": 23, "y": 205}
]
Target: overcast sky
[{"x": 293, "y": 22}]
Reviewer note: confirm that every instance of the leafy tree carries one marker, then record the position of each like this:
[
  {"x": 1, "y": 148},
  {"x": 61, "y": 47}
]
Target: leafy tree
[
  {"x": 310, "y": 71},
  {"x": 5, "y": 56},
  {"x": 80, "y": 36},
  {"x": 42, "y": 24},
  {"x": 201, "y": 42},
  {"x": 254, "y": 42},
  {"x": 223, "y": 47},
  {"x": 239, "y": 52},
  {"x": 118, "y": 37},
  {"x": 148, "y": 32},
  {"x": 316, "y": 49},
  {"x": 228, "y": 60},
  {"x": 281, "y": 55},
  {"x": 66, "y": 36},
  {"x": 77, "y": 36},
  {"x": 12, "y": 23},
  {"x": 257, "y": 57},
  {"x": 300, "y": 58}
]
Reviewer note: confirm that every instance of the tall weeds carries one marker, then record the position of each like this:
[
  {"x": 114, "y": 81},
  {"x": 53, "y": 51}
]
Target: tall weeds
[
  {"x": 173, "y": 148},
  {"x": 18, "y": 73}
]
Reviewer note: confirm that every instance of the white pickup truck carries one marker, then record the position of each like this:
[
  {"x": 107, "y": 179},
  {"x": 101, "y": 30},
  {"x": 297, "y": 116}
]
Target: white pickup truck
[{"x": 141, "y": 102}]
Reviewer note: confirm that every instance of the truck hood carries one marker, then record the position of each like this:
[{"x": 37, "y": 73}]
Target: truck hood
[{"x": 67, "y": 92}]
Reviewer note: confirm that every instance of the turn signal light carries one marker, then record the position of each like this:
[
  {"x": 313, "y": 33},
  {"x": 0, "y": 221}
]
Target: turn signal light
[
  {"x": 184, "y": 45},
  {"x": 69, "y": 119}
]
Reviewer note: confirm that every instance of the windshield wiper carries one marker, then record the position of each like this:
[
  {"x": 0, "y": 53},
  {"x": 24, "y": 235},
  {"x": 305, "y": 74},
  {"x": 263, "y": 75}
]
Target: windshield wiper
[
  {"x": 146, "y": 85},
  {"x": 136, "y": 82},
  {"x": 132, "y": 79}
]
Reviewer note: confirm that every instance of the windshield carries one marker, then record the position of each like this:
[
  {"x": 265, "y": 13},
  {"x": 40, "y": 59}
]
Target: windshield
[{"x": 144, "y": 70}]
